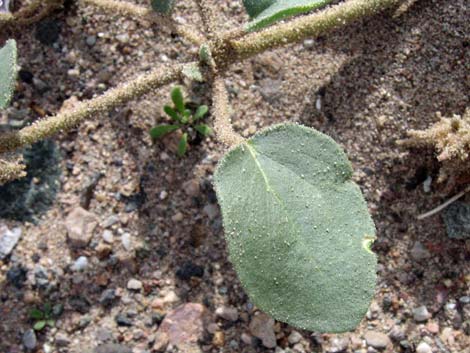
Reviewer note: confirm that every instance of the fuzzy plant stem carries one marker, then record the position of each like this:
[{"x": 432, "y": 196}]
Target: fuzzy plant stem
[
  {"x": 68, "y": 119},
  {"x": 31, "y": 13},
  {"x": 309, "y": 26},
  {"x": 128, "y": 9},
  {"x": 222, "y": 125},
  {"x": 10, "y": 171},
  {"x": 206, "y": 12}
]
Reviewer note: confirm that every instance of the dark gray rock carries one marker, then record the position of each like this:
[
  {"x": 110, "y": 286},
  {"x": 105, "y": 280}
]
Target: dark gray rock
[
  {"x": 29, "y": 339},
  {"x": 16, "y": 275},
  {"x": 457, "y": 220}
]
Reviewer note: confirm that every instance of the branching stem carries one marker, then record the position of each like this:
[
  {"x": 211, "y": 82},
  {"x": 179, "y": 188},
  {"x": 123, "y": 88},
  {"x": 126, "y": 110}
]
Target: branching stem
[
  {"x": 83, "y": 110},
  {"x": 10, "y": 171},
  {"x": 206, "y": 12},
  {"x": 309, "y": 26},
  {"x": 222, "y": 125}
]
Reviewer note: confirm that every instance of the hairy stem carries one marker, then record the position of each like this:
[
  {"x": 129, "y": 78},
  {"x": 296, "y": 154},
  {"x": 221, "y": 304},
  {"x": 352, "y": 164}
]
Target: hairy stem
[
  {"x": 70, "y": 118},
  {"x": 309, "y": 26},
  {"x": 31, "y": 13},
  {"x": 143, "y": 13},
  {"x": 10, "y": 171},
  {"x": 222, "y": 125},
  {"x": 206, "y": 12}
]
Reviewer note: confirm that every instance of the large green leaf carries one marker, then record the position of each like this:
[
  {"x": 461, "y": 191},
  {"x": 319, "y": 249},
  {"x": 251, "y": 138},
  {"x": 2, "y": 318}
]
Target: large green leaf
[
  {"x": 163, "y": 6},
  {"x": 297, "y": 228},
  {"x": 265, "y": 12},
  {"x": 8, "y": 72}
]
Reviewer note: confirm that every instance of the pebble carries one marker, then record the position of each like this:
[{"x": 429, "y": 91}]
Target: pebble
[
  {"x": 189, "y": 270},
  {"x": 457, "y": 220},
  {"x": 262, "y": 326},
  {"x": 183, "y": 328},
  {"x": 227, "y": 313},
  {"x": 419, "y": 252},
  {"x": 421, "y": 314},
  {"x": 112, "y": 348},
  {"x": 134, "y": 284},
  {"x": 110, "y": 221},
  {"x": 16, "y": 275},
  {"x": 80, "y": 225},
  {"x": 90, "y": 41},
  {"x": 29, "y": 339},
  {"x": 80, "y": 264},
  {"x": 211, "y": 210},
  {"x": 246, "y": 338},
  {"x": 377, "y": 339},
  {"x": 191, "y": 187},
  {"x": 61, "y": 339},
  {"x": 108, "y": 236},
  {"x": 423, "y": 347},
  {"x": 126, "y": 241},
  {"x": 338, "y": 345},
  {"x": 107, "y": 297},
  {"x": 8, "y": 240},
  {"x": 294, "y": 337},
  {"x": 397, "y": 334},
  {"x": 308, "y": 43},
  {"x": 123, "y": 320}
]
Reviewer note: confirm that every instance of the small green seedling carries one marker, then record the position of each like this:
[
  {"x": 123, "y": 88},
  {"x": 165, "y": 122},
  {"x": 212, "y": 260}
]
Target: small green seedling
[
  {"x": 43, "y": 317},
  {"x": 184, "y": 119}
]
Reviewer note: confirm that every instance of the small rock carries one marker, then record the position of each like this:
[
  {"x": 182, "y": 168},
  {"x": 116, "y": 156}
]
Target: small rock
[
  {"x": 183, "y": 327},
  {"x": 338, "y": 345},
  {"x": 464, "y": 300},
  {"x": 90, "y": 41},
  {"x": 29, "y": 339},
  {"x": 271, "y": 90},
  {"x": 126, "y": 241},
  {"x": 218, "y": 340},
  {"x": 134, "y": 284},
  {"x": 16, "y": 275},
  {"x": 80, "y": 225},
  {"x": 294, "y": 337},
  {"x": 211, "y": 210},
  {"x": 421, "y": 314},
  {"x": 80, "y": 264},
  {"x": 111, "y": 220},
  {"x": 308, "y": 43},
  {"x": 227, "y": 313},
  {"x": 246, "y": 338},
  {"x": 433, "y": 327},
  {"x": 8, "y": 240},
  {"x": 123, "y": 320},
  {"x": 107, "y": 297},
  {"x": 397, "y": 334},
  {"x": 108, "y": 236},
  {"x": 189, "y": 270},
  {"x": 457, "y": 220},
  {"x": 262, "y": 326},
  {"x": 113, "y": 348},
  {"x": 423, "y": 347},
  {"x": 191, "y": 187},
  {"x": 178, "y": 217},
  {"x": 61, "y": 339},
  {"x": 419, "y": 252},
  {"x": 377, "y": 339}
]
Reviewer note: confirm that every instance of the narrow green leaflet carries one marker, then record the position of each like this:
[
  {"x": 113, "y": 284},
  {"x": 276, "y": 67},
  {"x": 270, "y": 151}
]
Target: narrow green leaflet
[
  {"x": 200, "y": 112},
  {"x": 162, "y": 130},
  {"x": 297, "y": 228},
  {"x": 171, "y": 113},
  {"x": 265, "y": 12},
  {"x": 178, "y": 100},
  {"x": 183, "y": 145},
  {"x": 163, "y": 6},
  {"x": 38, "y": 326},
  {"x": 203, "y": 129},
  {"x": 8, "y": 72}
]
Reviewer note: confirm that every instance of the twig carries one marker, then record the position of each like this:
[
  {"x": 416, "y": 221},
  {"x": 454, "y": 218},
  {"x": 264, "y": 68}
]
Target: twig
[
  {"x": 127, "y": 9},
  {"x": 444, "y": 205},
  {"x": 222, "y": 125},
  {"x": 309, "y": 26},
  {"x": 70, "y": 118}
]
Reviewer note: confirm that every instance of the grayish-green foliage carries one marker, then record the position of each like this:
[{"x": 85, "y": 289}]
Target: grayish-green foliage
[
  {"x": 298, "y": 229},
  {"x": 265, "y": 12},
  {"x": 8, "y": 72},
  {"x": 163, "y": 6}
]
